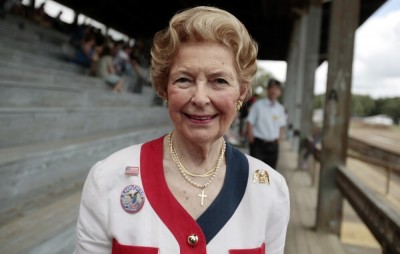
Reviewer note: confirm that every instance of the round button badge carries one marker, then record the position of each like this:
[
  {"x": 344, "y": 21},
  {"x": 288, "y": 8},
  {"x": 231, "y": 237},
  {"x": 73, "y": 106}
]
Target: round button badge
[{"x": 132, "y": 198}]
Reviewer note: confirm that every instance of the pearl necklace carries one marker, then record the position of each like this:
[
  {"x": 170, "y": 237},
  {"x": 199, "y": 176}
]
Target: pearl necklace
[
  {"x": 185, "y": 173},
  {"x": 176, "y": 160}
]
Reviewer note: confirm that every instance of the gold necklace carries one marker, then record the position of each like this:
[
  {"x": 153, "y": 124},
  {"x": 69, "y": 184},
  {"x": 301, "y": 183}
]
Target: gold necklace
[{"x": 185, "y": 173}]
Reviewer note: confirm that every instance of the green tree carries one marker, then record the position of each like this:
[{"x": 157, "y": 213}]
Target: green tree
[
  {"x": 261, "y": 80},
  {"x": 391, "y": 107},
  {"x": 362, "y": 105},
  {"x": 319, "y": 101}
]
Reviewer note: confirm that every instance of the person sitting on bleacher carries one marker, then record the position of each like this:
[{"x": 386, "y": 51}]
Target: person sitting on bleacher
[
  {"x": 85, "y": 54},
  {"x": 128, "y": 65},
  {"x": 105, "y": 69},
  {"x": 40, "y": 16},
  {"x": 12, "y": 6},
  {"x": 78, "y": 34},
  {"x": 122, "y": 61}
]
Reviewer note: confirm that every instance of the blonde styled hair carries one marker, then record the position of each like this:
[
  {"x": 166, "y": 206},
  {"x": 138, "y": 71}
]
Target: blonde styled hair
[{"x": 202, "y": 23}]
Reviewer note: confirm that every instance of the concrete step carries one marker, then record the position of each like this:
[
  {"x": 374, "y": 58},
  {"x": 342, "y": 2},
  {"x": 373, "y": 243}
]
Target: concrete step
[
  {"x": 51, "y": 76},
  {"x": 17, "y": 35},
  {"x": 54, "y": 76},
  {"x": 61, "y": 243},
  {"x": 37, "y": 94},
  {"x": 41, "y": 80},
  {"x": 47, "y": 229},
  {"x": 30, "y": 59},
  {"x": 20, "y": 126},
  {"x": 38, "y": 41},
  {"x": 41, "y": 186},
  {"x": 13, "y": 23},
  {"x": 35, "y": 47}
]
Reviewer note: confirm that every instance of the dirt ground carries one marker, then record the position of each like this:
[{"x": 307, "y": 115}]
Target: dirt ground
[{"x": 381, "y": 136}]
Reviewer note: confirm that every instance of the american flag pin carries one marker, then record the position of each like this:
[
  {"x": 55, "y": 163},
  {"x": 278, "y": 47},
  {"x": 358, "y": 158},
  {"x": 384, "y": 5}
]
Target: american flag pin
[{"x": 132, "y": 171}]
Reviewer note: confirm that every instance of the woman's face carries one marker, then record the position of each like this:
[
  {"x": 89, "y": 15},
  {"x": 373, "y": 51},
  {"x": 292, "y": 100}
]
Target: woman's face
[{"x": 203, "y": 89}]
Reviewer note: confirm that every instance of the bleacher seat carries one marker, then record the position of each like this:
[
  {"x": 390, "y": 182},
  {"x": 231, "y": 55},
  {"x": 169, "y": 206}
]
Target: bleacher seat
[{"x": 55, "y": 123}]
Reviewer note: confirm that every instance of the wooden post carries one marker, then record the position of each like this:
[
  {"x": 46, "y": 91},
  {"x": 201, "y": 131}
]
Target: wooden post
[
  {"x": 313, "y": 27},
  {"x": 290, "y": 84},
  {"x": 31, "y": 8},
  {"x": 294, "y": 80},
  {"x": 343, "y": 24},
  {"x": 32, "y": 4},
  {"x": 76, "y": 17},
  {"x": 299, "y": 87}
]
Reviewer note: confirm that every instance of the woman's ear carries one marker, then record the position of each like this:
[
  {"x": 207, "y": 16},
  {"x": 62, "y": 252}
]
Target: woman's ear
[
  {"x": 162, "y": 94},
  {"x": 244, "y": 90}
]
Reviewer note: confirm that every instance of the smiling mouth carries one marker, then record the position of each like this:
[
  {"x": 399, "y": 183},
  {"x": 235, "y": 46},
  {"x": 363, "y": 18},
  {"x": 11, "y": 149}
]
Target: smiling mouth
[{"x": 201, "y": 118}]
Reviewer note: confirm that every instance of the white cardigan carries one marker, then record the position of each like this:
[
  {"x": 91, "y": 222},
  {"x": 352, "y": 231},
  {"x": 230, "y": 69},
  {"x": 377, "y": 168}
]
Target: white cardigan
[{"x": 248, "y": 216}]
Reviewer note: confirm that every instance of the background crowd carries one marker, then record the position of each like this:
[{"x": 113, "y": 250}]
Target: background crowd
[{"x": 122, "y": 64}]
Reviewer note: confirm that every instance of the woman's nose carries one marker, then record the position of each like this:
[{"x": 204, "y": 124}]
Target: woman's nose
[{"x": 201, "y": 96}]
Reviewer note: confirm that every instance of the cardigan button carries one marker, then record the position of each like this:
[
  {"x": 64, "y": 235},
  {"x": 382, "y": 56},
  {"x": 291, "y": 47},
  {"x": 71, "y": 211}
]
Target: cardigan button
[{"x": 193, "y": 239}]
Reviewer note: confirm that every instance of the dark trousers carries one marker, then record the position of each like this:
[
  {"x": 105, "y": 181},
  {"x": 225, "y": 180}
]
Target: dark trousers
[{"x": 266, "y": 151}]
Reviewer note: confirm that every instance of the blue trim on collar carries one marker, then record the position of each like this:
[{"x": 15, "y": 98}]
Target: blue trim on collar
[{"x": 230, "y": 196}]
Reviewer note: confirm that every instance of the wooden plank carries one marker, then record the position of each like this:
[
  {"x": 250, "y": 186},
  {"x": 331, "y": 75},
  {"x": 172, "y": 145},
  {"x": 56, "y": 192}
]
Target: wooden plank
[
  {"x": 300, "y": 243},
  {"x": 302, "y": 238},
  {"x": 296, "y": 241}
]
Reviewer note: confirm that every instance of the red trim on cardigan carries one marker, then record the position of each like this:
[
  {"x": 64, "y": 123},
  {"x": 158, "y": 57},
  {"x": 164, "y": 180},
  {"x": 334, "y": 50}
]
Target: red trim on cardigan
[
  {"x": 174, "y": 216},
  {"x": 118, "y": 248},
  {"x": 260, "y": 250}
]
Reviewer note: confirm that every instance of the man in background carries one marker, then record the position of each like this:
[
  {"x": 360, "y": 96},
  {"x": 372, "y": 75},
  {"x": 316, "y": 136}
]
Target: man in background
[{"x": 265, "y": 124}]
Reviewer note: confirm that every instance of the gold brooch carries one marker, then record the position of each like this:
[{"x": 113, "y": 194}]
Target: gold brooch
[{"x": 261, "y": 176}]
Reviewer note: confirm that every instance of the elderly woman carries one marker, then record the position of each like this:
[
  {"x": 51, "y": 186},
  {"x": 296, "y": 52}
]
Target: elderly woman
[{"x": 189, "y": 191}]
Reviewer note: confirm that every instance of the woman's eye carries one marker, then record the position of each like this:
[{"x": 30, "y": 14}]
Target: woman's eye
[
  {"x": 182, "y": 80},
  {"x": 221, "y": 81}
]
